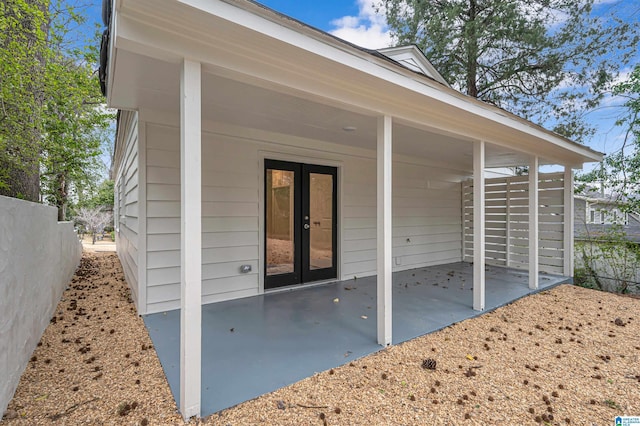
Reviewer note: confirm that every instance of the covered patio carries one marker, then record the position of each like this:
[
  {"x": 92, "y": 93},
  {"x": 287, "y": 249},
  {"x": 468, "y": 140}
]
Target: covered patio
[
  {"x": 219, "y": 100},
  {"x": 258, "y": 344}
]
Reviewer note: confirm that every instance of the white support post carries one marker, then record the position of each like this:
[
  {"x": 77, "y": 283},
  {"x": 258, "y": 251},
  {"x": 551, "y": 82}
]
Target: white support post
[
  {"x": 478, "y": 226},
  {"x": 568, "y": 221},
  {"x": 384, "y": 253},
  {"x": 508, "y": 227},
  {"x": 142, "y": 216},
  {"x": 464, "y": 242},
  {"x": 533, "y": 223},
  {"x": 191, "y": 241}
]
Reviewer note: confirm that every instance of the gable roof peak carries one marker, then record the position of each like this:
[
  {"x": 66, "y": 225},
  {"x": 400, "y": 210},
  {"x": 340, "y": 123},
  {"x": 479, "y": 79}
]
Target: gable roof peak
[{"x": 411, "y": 56}]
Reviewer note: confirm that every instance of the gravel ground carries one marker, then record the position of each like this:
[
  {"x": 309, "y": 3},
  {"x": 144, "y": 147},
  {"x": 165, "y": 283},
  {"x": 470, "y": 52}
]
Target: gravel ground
[
  {"x": 95, "y": 363},
  {"x": 564, "y": 356}
]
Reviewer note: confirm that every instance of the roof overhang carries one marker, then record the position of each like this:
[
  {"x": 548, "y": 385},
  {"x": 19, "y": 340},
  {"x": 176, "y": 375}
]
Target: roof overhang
[{"x": 249, "y": 44}]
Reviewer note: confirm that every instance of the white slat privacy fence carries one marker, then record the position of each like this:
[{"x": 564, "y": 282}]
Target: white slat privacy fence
[{"x": 507, "y": 221}]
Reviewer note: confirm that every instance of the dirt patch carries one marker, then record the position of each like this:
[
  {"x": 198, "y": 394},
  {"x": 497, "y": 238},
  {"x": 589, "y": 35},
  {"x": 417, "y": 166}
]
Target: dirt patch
[
  {"x": 565, "y": 356},
  {"x": 103, "y": 245}
]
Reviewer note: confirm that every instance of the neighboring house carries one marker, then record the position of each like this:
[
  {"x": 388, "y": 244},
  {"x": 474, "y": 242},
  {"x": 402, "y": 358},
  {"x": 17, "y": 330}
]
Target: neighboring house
[
  {"x": 255, "y": 152},
  {"x": 595, "y": 214},
  {"x": 612, "y": 267}
]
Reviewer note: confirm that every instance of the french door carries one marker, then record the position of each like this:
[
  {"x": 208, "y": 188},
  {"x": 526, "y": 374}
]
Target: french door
[{"x": 300, "y": 223}]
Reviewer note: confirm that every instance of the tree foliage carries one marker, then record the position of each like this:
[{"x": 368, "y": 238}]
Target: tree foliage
[
  {"x": 546, "y": 60},
  {"x": 610, "y": 261},
  {"x": 100, "y": 197},
  {"x": 74, "y": 117},
  {"x": 53, "y": 118},
  {"x": 630, "y": 91},
  {"x": 619, "y": 174},
  {"x": 24, "y": 28}
]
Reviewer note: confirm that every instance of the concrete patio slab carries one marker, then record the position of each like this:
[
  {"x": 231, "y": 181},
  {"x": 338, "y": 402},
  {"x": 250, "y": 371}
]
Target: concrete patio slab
[{"x": 258, "y": 344}]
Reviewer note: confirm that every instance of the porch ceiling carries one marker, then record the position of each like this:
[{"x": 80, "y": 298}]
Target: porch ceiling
[{"x": 144, "y": 82}]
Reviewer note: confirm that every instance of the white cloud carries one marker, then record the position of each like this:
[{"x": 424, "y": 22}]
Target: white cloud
[
  {"x": 623, "y": 76},
  {"x": 369, "y": 29}
]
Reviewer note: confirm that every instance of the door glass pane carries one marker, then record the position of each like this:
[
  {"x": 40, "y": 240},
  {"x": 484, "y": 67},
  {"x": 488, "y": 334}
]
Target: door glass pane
[
  {"x": 321, "y": 221},
  {"x": 280, "y": 222}
]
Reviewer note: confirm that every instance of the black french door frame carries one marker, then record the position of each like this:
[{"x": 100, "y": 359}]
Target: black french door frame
[
  {"x": 302, "y": 270},
  {"x": 309, "y": 274}
]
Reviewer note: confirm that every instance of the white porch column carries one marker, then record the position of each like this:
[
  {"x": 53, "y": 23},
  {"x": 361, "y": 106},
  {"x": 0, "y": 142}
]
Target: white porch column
[
  {"x": 191, "y": 241},
  {"x": 508, "y": 227},
  {"x": 568, "y": 221},
  {"x": 533, "y": 223},
  {"x": 478, "y": 227},
  {"x": 384, "y": 252}
]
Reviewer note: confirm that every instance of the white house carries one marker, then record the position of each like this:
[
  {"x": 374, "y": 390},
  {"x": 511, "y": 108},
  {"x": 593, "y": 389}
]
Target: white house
[
  {"x": 600, "y": 210},
  {"x": 255, "y": 152},
  {"x": 596, "y": 214}
]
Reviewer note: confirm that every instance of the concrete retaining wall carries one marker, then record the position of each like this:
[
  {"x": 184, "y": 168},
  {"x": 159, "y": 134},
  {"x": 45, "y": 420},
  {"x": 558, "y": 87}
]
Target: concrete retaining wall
[{"x": 38, "y": 257}]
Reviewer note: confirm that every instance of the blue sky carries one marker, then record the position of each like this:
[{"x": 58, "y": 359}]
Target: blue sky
[
  {"x": 357, "y": 22},
  {"x": 317, "y": 14},
  {"x": 353, "y": 20}
]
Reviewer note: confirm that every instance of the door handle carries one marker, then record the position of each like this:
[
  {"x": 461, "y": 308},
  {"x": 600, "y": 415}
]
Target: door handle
[{"x": 306, "y": 226}]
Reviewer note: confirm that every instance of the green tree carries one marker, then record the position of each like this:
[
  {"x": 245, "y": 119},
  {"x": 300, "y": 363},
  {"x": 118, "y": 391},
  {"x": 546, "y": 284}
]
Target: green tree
[
  {"x": 53, "y": 121},
  {"x": 619, "y": 174},
  {"x": 610, "y": 261},
  {"x": 74, "y": 117},
  {"x": 104, "y": 196},
  {"x": 630, "y": 91},
  {"x": 100, "y": 197},
  {"x": 71, "y": 146},
  {"x": 546, "y": 60},
  {"x": 24, "y": 28}
]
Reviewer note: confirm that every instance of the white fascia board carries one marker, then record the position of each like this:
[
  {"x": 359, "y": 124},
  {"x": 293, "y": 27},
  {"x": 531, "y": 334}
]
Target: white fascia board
[
  {"x": 255, "y": 18},
  {"x": 112, "y": 58}
]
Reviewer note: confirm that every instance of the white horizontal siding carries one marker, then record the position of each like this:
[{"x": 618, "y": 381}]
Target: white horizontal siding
[
  {"x": 427, "y": 223},
  {"x": 229, "y": 218},
  {"x": 127, "y": 199},
  {"x": 427, "y": 220},
  {"x": 163, "y": 217}
]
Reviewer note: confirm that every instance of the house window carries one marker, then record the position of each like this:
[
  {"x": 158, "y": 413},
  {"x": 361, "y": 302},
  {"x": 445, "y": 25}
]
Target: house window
[{"x": 592, "y": 218}]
